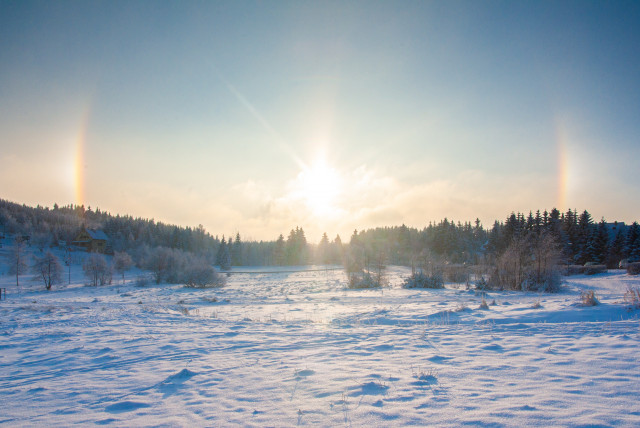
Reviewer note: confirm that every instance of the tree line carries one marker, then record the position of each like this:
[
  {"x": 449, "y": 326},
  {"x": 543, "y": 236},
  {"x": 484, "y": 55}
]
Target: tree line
[{"x": 571, "y": 237}]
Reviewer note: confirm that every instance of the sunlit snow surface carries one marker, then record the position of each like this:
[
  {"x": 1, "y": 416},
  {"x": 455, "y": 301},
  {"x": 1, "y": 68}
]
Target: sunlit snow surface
[{"x": 298, "y": 348}]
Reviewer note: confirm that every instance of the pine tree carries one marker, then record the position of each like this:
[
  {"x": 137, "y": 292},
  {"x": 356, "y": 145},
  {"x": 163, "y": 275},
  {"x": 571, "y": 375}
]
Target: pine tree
[
  {"x": 225, "y": 260},
  {"x": 336, "y": 251},
  {"x": 236, "y": 251},
  {"x": 632, "y": 243},
  {"x": 598, "y": 245},
  {"x": 616, "y": 249},
  {"x": 322, "y": 256},
  {"x": 220, "y": 252},
  {"x": 279, "y": 251}
]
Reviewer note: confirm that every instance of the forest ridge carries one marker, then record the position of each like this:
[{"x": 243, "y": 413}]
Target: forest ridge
[{"x": 580, "y": 238}]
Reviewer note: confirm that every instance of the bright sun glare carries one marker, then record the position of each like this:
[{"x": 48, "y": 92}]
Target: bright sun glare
[{"x": 320, "y": 186}]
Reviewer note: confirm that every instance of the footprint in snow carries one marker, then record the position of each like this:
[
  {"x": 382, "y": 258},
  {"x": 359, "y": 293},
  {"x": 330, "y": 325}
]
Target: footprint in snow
[
  {"x": 493, "y": 347},
  {"x": 126, "y": 406},
  {"x": 304, "y": 373},
  {"x": 383, "y": 347},
  {"x": 439, "y": 359},
  {"x": 371, "y": 388},
  {"x": 172, "y": 383}
]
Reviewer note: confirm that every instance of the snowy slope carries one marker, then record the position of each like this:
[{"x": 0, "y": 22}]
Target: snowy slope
[{"x": 297, "y": 348}]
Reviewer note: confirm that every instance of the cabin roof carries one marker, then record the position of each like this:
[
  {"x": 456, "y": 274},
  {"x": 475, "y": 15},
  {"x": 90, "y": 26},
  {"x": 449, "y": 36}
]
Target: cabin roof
[{"x": 97, "y": 234}]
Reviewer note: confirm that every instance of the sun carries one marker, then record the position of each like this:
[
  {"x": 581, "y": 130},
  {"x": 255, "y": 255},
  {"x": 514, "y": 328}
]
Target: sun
[{"x": 320, "y": 187}]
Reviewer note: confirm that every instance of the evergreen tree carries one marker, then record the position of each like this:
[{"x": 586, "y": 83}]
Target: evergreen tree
[
  {"x": 616, "y": 249},
  {"x": 336, "y": 251},
  {"x": 322, "y": 255},
  {"x": 632, "y": 242},
  {"x": 220, "y": 252},
  {"x": 225, "y": 262},
  {"x": 279, "y": 256},
  {"x": 598, "y": 243},
  {"x": 223, "y": 256},
  {"x": 236, "y": 251},
  {"x": 582, "y": 240},
  {"x": 296, "y": 247}
]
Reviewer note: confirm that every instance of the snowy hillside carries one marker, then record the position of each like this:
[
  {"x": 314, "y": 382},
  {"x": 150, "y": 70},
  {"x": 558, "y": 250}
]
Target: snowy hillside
[{"x": 298, "y": 348}]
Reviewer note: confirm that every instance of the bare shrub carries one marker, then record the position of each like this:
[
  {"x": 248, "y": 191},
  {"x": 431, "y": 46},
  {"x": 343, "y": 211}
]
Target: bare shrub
[
  {"x": 588, "y": 298},
  {"x": 461, "y": 307},
  {"x": 365, "y": 265},
  {"x": 632, "y": 297},
  {"x": 483, "y": 304}
]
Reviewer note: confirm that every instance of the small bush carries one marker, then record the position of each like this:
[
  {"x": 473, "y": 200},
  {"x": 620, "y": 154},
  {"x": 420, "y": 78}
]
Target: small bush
[
  {"x": 595, "y": 269},
  {"x": 586, "y": 270},
  {"x": 547, "y": 282},
  {"x": 360, "y": 280},
  {"x": 199, "y": 274},
  {"x": 142, "y": 280},
  {"x": 482, "y": 284},
  {"x": 633, "y": 268},
  {"x": 483, "y": 304},
  {"x": 421, "y": 280},
  {"x": 632, "y": 297},
  {"x": 588, "y": 298}
]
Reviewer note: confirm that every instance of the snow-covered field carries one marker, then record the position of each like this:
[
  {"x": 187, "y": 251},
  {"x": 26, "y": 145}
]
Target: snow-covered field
[{"x": 297, "y": 348}]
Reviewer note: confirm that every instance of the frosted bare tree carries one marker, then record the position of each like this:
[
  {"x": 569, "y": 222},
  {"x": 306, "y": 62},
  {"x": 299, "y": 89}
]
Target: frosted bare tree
[
  {"x": 122, "y": 262},
  {"x": 529, "y": 263},
  {"x": 48, "y": 268},
  {"x": 97, "y": 270},
  {"x": 18, "y": 260}
]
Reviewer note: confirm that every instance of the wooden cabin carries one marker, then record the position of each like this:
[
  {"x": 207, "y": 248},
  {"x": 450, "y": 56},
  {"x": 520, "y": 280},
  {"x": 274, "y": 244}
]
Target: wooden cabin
[{"x": 93, "y": 240}]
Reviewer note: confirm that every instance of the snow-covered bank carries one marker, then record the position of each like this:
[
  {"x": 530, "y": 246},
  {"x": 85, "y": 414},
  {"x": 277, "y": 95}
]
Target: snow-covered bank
[{"x": 297, "y": 348}]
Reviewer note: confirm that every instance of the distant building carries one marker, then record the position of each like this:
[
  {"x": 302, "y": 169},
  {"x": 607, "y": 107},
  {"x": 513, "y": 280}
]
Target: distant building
[
  {"x": 93, "y": 240},
  {"x": 614, "y": 228}
]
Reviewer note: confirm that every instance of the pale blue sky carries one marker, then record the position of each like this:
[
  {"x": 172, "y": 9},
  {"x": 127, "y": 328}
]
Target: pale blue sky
[{"x": 234, "y": 114}]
